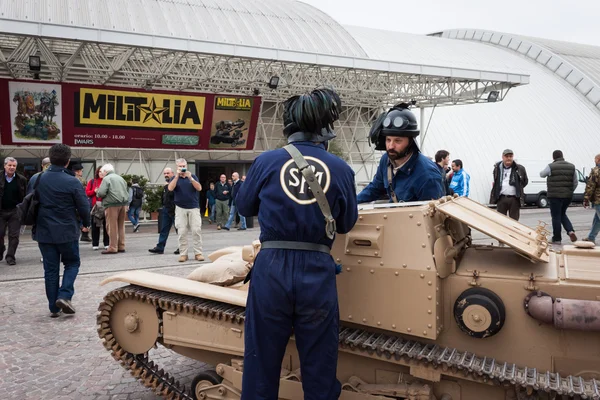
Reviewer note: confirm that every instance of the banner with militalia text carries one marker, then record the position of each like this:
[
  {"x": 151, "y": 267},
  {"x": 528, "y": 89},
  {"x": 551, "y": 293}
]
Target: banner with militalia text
[{"x": 38, "y": 113}]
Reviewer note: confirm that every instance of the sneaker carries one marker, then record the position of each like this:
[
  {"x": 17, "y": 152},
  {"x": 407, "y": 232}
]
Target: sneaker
[
  {"x": 219, "y": 227},
  {"x": 11, "y": 261},
  {"x": 183, "y": 258},
  {"x": 176, "y": 251},
  {"x": 55, "y": 314},
  {"x": 557, "y": 242},
  {"x": 65, "y": 305},
  {"x": 156, "y": 250},
  {"x": 241, "y": 229},
  {"x": 136, "y": 228},
  {"x": 199, "y": 257},
  {"x": 105, "y": 247},
  {"x": 95, "y": 248},
  {"x": 41, "y": 259},
  {"x": 573, "y": 236},
  {"x": 108, "y": 252},
  {"x": 226, "y": 228}
]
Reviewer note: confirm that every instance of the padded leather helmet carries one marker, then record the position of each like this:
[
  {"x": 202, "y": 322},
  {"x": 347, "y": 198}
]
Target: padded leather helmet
[
  {"x": 397, "y": 121},
  {"x": 310, "y": 117}
]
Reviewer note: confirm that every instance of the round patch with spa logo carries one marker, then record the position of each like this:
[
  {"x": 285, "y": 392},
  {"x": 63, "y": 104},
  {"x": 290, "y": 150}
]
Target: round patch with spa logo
[{"x": 295, "y": 185}]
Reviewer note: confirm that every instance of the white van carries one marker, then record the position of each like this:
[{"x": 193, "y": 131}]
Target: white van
[{"x": 536, "y": 189}]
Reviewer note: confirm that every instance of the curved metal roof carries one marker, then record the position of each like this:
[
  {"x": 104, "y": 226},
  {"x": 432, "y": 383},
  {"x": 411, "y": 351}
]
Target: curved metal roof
[
  {"x": 576, "y": 64},
  {"x": 277, "y": 24}
]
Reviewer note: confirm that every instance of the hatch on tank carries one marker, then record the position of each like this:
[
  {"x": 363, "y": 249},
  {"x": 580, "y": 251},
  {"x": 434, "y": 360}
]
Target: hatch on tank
[{"x": 531, "y": 243}]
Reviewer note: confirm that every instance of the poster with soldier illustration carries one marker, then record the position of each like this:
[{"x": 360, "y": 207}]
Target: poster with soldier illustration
[
  {"x": 35, "y": 112},
  {"x": 231, "y": 120}
]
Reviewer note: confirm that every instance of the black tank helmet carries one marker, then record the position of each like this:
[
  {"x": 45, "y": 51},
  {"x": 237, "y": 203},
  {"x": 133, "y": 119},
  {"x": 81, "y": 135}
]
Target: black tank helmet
[
  {"x": 310, "y": 117},
  {"x": 397, "y": 121}
]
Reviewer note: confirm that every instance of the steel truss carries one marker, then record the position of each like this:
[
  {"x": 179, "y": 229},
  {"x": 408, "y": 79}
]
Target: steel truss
[{"x": 365, "y": 93}]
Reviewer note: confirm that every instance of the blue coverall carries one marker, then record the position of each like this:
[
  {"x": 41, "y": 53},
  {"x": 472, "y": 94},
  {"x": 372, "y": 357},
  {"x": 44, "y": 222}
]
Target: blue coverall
[
  {"x": 418, "y": 180},
  {"x": 294, "y": 289}
]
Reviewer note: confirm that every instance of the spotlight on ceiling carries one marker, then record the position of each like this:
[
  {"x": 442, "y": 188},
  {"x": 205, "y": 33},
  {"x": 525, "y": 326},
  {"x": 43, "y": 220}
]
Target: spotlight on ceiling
[
  {"x": 274, "y": 82},
  {"x": 493, "y": 96},
  {"x": 256, "y": 92},
  {"x": 35, "y": 63}
]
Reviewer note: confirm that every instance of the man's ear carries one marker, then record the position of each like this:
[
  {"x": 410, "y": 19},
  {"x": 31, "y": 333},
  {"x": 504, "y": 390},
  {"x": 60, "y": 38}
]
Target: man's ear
[{"x": 68, "y": 163}]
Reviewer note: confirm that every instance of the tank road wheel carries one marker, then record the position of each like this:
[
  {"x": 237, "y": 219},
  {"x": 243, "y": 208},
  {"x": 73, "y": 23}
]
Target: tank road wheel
[
  {"x": 479, "y": 312},
  {"x": 134, "y": 325},
  {"x": 204, "y": 380}
]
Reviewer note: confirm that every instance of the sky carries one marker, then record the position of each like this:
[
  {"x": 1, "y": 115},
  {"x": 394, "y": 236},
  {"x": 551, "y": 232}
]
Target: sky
[{"x": 573, "y": 21}]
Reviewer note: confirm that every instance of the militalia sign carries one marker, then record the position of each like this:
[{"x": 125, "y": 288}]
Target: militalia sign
[{"x": 111, "y": 117}]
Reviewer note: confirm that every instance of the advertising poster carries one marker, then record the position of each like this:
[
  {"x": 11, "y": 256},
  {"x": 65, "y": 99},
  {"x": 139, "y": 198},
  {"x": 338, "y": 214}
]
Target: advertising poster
[
  {"x": 35, "y": 112},
  {"x": 231, "y": 119},
  {"x": 117, "y": 117}
]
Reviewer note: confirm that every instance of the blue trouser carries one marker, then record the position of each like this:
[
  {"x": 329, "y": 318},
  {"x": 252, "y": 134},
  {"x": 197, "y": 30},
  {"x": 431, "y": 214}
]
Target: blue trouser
[
  {"x": 212, "y": 212},
  {"x": 167, "y": 221},
  {"x": 291, "y": 289},
  {"x": 558, "y": 211},
  {"x": 134, "y": 215},
  {"x": 232, "y": 212},
  {"x": 53, "y": 254},
  {"x": 595, "y": 224}
]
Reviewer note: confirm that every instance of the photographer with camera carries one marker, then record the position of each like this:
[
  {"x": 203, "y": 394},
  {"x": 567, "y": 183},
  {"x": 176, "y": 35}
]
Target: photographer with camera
[{"x": 185, "y": 187}]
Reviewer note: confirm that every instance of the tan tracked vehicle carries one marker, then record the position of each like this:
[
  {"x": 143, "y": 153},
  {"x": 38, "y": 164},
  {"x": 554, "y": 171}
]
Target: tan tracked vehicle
[{"x": 425, "y": 314}]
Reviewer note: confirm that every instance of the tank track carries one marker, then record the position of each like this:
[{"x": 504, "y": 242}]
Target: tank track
[{"x": 358, "y": 340}]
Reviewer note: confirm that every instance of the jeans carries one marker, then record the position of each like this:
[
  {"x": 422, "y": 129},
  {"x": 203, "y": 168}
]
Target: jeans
[
  {"x": 53, "y": 254},
  {"x": 232, "y": 213},
  {"x": 595, "y": 224},
  {"x": 167, "y": 221},
  {"x": 558, "y": 211},
  {"x": 134, "y": 215},
  {"x": 212, "y": 214}
]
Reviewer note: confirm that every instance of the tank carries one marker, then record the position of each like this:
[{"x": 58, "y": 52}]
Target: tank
[{"x": 424, "y": 313}]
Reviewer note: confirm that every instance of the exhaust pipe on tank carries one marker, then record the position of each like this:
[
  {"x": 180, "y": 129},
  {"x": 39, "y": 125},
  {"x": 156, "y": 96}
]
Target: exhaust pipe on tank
[{"x": 581, "y": 315}]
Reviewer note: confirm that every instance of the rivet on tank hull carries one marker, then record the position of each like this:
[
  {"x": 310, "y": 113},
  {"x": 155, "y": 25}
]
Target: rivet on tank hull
[
  {"x": 429, "y": 326},
  {"x": 422, "y": 276},
  {"x": 376, "y": 253},
  {"x": 360, "y": 261},
  {"x": 428, "y": 311},
  {"x": 418, "y": 224},
  {"x": 424, "y": 333},
  {"x": 396, "y": 273},
  {"x": 378, "y": 228},
  {"x": 337, "y": 260},
  {"x": 429, "y": 283},
  {"x": 408, "y": 330},
  {"x": 360, "y": 218},
  {"x": 429, "y": 267},
  {"x": 347, "y": 250},
  {"x": 385, "y": 217},
  {"x": 393, "y": 326},
  {"x": 372, "y": 271},
  {"x": 378, "y": 322},
  {"x": 381, "y": 263},
  {"x": 423, "y": 245},
  {"x": 364, "y": 320},
  {"x": 410, "y": 215},
  {"x": 349, "y": 316},
  {"x": 348, "y": 269},
  {"x": 404, "y": 265},
  {"x": 429, "y": 297}
]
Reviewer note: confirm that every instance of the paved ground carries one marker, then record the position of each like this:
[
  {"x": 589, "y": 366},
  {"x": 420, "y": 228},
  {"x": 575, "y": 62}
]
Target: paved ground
[{"x": 43, "y": 358}]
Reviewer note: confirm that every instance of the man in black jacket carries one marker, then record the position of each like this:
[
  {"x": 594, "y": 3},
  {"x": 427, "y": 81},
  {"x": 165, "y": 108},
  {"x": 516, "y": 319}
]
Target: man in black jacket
[
  {"x": 222, "y": 197},
  {"x": 13, "y": 188},
  {"x": 561, "y": 181},
  {"x": 167, "y": 214},
  {"x": 509, "y": 181},
  {"x": 237, "y": 184},
  {"x": 61, "y": 200}
]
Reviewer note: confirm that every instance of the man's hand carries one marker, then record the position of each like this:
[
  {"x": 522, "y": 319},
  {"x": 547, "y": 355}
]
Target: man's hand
[
  {"x": 225, "y": 191},
  {"x": 188, "y": 174},
  {"x": 84, "y": 229}
]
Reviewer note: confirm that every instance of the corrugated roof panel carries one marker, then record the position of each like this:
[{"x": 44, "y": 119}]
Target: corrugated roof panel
[{"x": 280, "y": 24}]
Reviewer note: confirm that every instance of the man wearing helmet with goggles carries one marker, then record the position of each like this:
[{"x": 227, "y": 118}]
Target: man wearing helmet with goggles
[{"x": 404, "y": 174}]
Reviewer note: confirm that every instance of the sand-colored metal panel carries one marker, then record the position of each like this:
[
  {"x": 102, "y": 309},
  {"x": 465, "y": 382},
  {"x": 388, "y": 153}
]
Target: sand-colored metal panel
[{"x": 530, "y": 242}]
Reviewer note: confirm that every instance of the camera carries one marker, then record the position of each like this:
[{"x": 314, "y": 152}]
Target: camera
[{"x": 183, "y": 169}]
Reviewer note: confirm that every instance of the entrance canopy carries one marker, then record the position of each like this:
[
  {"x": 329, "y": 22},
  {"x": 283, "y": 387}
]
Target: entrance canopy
[{"x": 228, "y": 46}]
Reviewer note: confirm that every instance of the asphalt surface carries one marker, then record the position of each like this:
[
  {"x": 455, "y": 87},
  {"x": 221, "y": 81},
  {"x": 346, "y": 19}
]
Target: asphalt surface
[{"x": 44, "y": 358}]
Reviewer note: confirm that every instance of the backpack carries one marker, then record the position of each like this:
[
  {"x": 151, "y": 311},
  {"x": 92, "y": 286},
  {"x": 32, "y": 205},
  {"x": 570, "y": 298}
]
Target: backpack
[
  {"x": 137, "y": 196},
  {"x": 28, "y": 209}
]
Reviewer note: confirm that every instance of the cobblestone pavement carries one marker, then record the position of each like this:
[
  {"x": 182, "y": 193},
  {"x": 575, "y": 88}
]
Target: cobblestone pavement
[
  {"x": 44, "y": 358},
  {"x": 63, "y": 358}
]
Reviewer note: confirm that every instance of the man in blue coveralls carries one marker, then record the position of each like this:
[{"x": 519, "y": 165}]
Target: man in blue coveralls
[
  {"x": 413, "y": 176},
  {"x": 293, "y": 284}
]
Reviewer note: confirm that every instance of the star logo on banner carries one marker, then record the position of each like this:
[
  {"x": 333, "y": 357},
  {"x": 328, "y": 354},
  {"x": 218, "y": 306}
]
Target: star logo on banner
[{"x": 152, "y": 111}]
